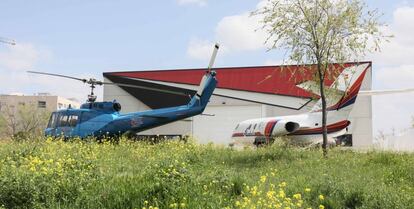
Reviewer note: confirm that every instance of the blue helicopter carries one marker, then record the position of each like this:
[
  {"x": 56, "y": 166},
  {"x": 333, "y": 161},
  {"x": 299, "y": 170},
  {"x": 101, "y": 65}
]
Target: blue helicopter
[{"x": 103, "y": 119}]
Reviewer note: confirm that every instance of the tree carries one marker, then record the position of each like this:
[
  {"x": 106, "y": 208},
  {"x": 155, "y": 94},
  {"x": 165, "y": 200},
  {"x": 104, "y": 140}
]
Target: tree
[
  {"x": 321, "y": 32},
  {"x": 22, "y": 121}
]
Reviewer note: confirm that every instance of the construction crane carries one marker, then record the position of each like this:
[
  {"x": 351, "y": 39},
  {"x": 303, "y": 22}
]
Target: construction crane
[{"x": 7, "y": 41}]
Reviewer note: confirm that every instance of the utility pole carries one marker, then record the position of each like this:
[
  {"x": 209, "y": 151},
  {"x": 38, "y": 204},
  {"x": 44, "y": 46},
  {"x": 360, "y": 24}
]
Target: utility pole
[{"x": 7, "y": 41}]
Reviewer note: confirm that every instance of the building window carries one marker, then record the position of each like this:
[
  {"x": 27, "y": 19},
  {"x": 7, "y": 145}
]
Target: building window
[{"x": 41, "y": 104}]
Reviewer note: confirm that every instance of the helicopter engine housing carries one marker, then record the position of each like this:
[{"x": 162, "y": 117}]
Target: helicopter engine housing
[{"x": 117, "y": 106}]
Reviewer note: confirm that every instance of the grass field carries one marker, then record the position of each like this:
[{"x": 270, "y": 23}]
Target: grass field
[{"x": 56, "y": 174}]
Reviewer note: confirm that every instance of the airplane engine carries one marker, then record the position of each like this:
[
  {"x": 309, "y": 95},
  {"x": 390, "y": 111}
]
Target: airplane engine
[{"x": 284, "y": 127}]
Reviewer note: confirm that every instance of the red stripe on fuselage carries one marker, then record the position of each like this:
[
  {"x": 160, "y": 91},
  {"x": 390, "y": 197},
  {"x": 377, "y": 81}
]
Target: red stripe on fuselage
[
  {"x": 331, "y": 128},
  {"x": 242, "y": 134},
  {"x": 269, "y": 127},
  {"x": 237, "y": 135}
]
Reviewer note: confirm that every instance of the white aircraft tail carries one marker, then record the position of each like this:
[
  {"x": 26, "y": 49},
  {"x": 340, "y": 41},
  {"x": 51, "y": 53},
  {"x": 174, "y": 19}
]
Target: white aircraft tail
[{"x": 343, "y": 92}]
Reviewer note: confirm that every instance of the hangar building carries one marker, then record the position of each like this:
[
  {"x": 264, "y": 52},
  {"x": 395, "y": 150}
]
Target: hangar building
[{"x": 242, "y": 93}]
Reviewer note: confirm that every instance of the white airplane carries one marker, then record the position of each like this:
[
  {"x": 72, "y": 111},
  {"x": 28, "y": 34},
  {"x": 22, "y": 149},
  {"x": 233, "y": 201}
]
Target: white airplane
[{"x": 306, "y": 128}]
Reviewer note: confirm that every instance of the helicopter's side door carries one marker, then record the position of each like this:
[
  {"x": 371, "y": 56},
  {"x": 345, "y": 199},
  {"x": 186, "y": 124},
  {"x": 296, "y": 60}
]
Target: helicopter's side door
[{"x": 92, "y": 122}]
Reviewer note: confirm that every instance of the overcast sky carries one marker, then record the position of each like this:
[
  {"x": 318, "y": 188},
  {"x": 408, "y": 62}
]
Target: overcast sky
[{"x": 86, "y": 38}]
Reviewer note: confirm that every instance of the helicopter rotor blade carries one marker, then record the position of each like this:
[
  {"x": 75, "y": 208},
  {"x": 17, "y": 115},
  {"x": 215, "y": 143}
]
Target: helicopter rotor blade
[
  {"x": 96, "y": 82},
  {"x": 147, "y": 88},
  {"x": 58, "y": 75}
]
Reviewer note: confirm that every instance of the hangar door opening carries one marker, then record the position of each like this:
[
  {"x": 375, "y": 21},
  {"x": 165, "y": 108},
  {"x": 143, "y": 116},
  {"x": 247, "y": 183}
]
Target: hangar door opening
[{"x": 218, "y": 128}]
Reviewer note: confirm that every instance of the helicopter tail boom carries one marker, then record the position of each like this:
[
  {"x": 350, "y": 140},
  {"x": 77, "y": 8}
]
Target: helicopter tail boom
[{"x": 207, "y": 86}]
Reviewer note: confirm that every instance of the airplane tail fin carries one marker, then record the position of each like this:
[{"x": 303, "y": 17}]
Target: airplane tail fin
[
  {"x": 207, "y": 85},
  {"x": 344, "y": 91}
]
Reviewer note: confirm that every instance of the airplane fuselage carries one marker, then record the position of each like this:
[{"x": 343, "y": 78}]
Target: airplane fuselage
[
  {"x": 301, "y": 129},
  {"x": 307, "y": 128}
]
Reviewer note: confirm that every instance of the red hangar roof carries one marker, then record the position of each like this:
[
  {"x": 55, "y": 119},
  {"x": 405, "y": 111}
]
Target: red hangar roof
[{"x": 267, "y": 80}]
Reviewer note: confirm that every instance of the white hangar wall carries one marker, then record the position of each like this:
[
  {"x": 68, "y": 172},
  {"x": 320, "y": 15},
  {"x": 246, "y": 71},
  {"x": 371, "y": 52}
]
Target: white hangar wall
[
  {"x": 361, "y": 117},
  {"x": 228, "y": 112}
]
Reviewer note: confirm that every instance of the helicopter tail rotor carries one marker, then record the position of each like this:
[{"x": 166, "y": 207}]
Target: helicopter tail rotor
[{"x": 213, "y": 57}]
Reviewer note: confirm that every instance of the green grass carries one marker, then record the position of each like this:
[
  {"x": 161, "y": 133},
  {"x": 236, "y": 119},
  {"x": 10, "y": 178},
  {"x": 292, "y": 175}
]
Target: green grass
[{"x": 56, "y": 174}]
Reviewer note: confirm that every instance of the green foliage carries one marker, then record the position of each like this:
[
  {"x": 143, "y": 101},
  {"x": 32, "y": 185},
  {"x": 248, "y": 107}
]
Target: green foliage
[
  {"x": 23, "y": 122},
  {"x": 86, "y": 174},
  {"x": 322, "y": 31}
]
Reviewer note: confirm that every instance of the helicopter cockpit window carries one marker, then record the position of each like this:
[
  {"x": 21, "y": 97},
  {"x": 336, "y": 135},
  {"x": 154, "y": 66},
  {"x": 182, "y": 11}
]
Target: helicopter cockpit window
[
  {"x": 63, "y": 120},
  {"x": 73, "y": 120},
  {"x": 52, "y": 120}
]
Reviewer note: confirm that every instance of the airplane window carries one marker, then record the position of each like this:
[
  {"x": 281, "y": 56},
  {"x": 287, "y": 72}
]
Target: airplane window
[
  {"x": 73, "y": 120},
  {"x": 247, "y": 129},
  {"x": 260, "y": 125}
]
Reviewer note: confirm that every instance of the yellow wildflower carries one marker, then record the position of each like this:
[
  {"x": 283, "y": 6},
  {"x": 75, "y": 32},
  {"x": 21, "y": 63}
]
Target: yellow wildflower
[
  {"x": 321, "y": 197},
  {"x": 269, "y": 194},
  {"x": 238, "y": 203},
  {"x": 263, "y": 179},
  {"x": 254, "y": 192},
  {"x": 297, "y": 196},
  {"x": 282, "y": 194},
  {"x": 321, "y": 207},
  {"x": 307, "y": 190},
  {"x": 288, "y": 200}
]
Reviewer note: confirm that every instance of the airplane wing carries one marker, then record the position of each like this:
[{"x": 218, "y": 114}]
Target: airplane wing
[{"x": 384, "y": 92}]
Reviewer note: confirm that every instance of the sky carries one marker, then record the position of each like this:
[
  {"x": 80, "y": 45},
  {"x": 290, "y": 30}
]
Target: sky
[{"x": 85, "y": 38}]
